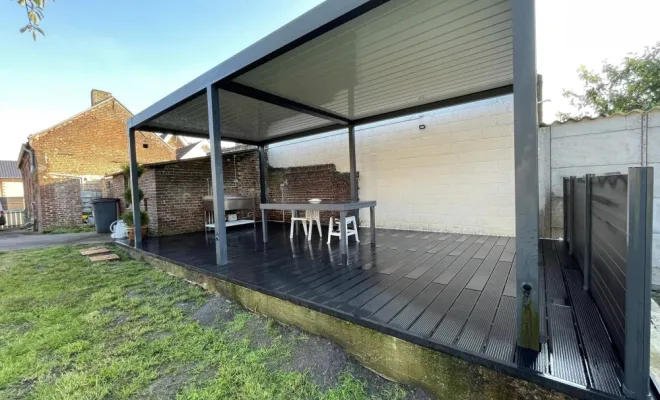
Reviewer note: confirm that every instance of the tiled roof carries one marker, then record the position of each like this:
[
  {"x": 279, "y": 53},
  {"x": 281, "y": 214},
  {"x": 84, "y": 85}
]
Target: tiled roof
[
  {"x": 8, "y": 169},
  {"x": 182, "y": 151}
]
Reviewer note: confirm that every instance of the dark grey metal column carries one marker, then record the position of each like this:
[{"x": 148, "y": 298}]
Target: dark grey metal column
[
  {"x": 526, "y": 173},
  {"x": 352, "y": 162},
  {"x": 135, "y": 188},
  {"x": 571, "y": 213},
  {"x": 343, "y": 238},
  {"x": 263, "y": 187},
  {"x": 263, "y": 174},
  {"x": 213, "y": 103},
  {"x": 586, "y": 268},
  {"x": 638, "y": 283},
  {"x": 353, "y": 168},
  {"x": 565, "y": 210}
]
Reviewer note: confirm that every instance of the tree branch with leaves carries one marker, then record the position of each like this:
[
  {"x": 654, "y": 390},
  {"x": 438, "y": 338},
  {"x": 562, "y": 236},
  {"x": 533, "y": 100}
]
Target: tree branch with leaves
[
  {"x": 34, "y": 10},
  {"x": 634, "y": 84}
]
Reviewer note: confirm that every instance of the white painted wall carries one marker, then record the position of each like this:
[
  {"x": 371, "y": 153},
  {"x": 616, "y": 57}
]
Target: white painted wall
[
  {"x": 12, "y": 189},
  {"x": 455, "y": 175}
]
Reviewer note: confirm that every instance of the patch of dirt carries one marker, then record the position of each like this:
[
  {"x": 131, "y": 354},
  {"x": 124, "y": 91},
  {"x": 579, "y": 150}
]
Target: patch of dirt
[
  {"x": 119, "y": 320},
  {"x": 188, "y": 307},
  {"x": 134, "y": 295},
  {"x": 169, "y": 384},
  {"x": 217, "y": 310}
]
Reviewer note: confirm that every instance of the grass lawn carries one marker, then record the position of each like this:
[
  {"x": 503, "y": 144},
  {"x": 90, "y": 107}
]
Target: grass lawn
[
  {"x": 73, "y": 330},
  {"x": 70, "y": 229}
]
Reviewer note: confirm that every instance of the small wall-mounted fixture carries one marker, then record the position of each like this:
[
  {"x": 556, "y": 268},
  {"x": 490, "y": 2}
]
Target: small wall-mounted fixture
[
  {"x": 145, "y": 145},
  {"x": 422, "y": 126}
]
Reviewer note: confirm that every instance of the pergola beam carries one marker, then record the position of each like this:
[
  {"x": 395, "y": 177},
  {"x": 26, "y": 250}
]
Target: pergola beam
[
  {"x": 270, "y": 98},
  {"x": 526, "y": 173}
]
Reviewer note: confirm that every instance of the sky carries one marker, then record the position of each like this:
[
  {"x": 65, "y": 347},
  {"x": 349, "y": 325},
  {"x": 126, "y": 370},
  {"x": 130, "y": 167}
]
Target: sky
[{"x": 143, "y": 50}]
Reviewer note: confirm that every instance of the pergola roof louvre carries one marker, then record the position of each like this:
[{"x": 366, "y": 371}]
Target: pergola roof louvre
[{"x": 349, "y": 62}]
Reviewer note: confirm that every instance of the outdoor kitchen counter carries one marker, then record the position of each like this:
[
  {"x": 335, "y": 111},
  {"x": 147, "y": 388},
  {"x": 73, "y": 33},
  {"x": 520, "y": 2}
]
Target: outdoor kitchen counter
[{"x": 341, "y": 206}]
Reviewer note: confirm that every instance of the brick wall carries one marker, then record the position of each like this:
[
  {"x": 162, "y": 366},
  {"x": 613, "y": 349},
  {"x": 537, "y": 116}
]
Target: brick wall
[
  {"x": 148, "y": 184},
  {"x": 242, "y": 180},
  {"x": 114, "y": 186},
  {"x": 94, "y": 143},
  {"x": 304, "y": 183},
  {"x": 175, "y": 206},
  {"x": 99, "y": 95},
  {"x": 456, "y": 174},
  {"x": 61, "y": 204}
]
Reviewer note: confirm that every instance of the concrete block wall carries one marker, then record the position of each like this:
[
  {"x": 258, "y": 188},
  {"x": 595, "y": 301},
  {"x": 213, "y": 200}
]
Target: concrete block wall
[
  {"x": 456, "y": 174},
  {"x": 652, "y": 124},
  {"x": 605, "y": 145},
  {"x": 598, "y": 146}
]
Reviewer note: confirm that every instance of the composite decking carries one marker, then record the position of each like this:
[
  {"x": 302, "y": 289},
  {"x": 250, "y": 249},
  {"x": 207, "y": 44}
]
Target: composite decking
[{"x": 451, "y": 292}]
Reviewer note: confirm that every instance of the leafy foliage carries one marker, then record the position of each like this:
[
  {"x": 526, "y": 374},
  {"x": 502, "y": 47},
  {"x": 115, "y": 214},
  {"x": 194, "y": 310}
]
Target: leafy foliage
[
  {"x": 634, "y": 84},
  {"x": 126, "y": 170},
  {"x": 34, "y": 10},
  {"x": 69, "y": 229},
  {"x": 127, "y": 217},
  {"x": 128, "y": 195}
]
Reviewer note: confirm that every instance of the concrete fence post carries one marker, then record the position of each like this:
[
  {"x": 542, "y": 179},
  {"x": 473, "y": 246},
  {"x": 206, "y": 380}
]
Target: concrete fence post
[{"x": 638, "y": 284}]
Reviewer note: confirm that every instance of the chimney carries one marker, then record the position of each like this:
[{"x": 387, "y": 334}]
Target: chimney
[{"x": 99, "y": 95}]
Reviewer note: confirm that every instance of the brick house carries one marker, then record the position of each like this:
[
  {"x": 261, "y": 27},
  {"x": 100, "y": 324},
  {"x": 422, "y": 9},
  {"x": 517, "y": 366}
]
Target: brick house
[
  {"x": 11, "y": 186},
  {"x": 62, "y": 166}
]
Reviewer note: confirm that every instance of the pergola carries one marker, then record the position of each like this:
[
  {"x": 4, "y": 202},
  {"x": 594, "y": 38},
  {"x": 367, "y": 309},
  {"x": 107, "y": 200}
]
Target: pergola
[{"x": 352, "y": 62}]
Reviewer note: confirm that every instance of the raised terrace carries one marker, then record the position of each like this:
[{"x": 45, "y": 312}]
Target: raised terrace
[{"x": 450, "y": 292}]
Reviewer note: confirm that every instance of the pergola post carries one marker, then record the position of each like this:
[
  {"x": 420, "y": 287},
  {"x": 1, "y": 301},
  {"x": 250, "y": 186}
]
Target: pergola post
[
  {"x": 135, "y": 189},
  {"x": 353, "y": 168},
  {"x": 526, "y": 173},
  {"x": 213, "y": 103},
  {"x": 637, "y": 360},
  {"x": 263, "y": 171}
]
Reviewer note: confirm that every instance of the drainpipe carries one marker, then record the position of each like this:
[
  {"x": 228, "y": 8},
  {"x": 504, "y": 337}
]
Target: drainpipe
[{"x": 32, "y": 162}]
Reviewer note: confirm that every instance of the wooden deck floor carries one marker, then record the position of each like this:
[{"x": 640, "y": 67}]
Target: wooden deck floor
[{"x": 451, "y": 292}]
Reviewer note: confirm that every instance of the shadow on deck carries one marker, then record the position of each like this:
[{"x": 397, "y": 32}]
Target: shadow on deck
[{"x": 448, "y": 292}]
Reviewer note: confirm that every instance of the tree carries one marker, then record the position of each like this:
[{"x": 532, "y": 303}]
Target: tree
[
  {"x": 35, "y": 13},
  {"x": 634, "y": 84}
]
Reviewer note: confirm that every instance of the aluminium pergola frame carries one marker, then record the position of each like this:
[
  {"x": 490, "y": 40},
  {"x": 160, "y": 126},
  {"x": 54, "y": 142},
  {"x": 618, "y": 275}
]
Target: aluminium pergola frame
[{"x": 331, "y": 15}]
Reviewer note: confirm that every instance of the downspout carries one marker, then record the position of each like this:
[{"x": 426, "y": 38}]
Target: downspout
[
  {"x": 32, "y": 161},
  {"x": 33, "y": 170}
]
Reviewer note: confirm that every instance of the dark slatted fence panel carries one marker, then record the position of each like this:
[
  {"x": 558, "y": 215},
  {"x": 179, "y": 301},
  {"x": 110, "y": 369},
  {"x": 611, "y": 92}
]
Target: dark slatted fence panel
[
  {"x": 579, "y": 210},
  {"x": 609, "y": 252}
]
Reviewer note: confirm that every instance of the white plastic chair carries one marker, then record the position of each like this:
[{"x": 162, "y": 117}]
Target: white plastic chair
[
  {"x": 349, "y": 232},
  {"x": 303, "y": 220},
  {"x": 311, "y": 216}
]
